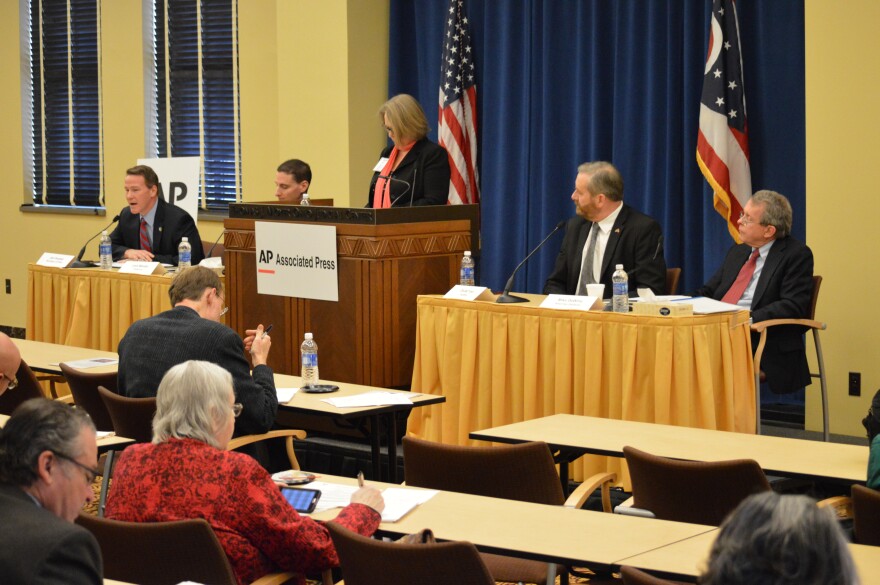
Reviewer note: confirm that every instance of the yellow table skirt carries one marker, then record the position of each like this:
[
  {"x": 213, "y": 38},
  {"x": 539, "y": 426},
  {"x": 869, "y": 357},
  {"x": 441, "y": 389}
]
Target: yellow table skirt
[
  {"x": 90, "y": 307},
  {"x": 499, "y": 364}
]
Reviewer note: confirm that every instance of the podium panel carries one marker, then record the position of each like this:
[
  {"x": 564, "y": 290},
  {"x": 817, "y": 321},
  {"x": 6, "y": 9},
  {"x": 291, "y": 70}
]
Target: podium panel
[{"x": 387, "y": 257}]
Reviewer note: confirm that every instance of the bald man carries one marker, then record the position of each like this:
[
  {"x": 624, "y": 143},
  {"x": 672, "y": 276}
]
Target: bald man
[{"x": 10, "y": 359}]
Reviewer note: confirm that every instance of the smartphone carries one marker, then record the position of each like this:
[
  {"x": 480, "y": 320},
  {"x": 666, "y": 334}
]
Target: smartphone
[{"x": 303, "y": 500}]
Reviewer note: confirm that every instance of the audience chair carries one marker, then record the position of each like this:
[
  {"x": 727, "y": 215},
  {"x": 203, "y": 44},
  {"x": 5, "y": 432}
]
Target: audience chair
[
  {"x": 524, "y": 472},
  {"x": 673, "y": 275},
  {"x": 28, "y": 387},
  {"x": 809, "y": 324},
  {"x": 866, "y": 515},
  {"x": 691, "y": 491},
  {"x": 366, "y": 561},
  {"x": 84, "y": 389},
  {"x": 164, "y": 553},
  {"x": 131, "y": 417},
  {"x": 633, "y": 576}
]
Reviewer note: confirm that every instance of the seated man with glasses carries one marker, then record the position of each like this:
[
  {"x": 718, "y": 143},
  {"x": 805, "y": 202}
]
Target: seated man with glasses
[
  {"x": 10, "y": 360},
  {"x": 48, "y": 455},
  {"x": 771, "y": 274},
  {"x": 191, "y": 330}
]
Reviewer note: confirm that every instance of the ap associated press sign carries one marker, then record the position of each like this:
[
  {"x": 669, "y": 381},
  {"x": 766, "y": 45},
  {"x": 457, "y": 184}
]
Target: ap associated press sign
[{"x": 297, "y": 260}]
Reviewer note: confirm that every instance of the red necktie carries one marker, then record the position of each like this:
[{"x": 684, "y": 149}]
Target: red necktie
[
  {"x": 145, "y": 239},
  {"x": 735, "y": 293}
]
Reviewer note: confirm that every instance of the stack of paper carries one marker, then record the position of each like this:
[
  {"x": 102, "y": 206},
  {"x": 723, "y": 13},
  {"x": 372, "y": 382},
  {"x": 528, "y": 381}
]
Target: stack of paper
[
  {"x": 398, "y": 501},
  {"x": 285, "y": 395}
]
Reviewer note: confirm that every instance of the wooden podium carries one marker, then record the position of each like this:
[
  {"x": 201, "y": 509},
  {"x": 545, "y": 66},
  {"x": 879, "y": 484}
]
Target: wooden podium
[{"x": 387, "y": 257}]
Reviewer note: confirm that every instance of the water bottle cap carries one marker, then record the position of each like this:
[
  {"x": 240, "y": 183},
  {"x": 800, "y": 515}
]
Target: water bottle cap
[
  {"x": 104, "y": 233},
  {"x": 308, "y": 336},
  {"x": 619, "y": 267},
  {"x": 184, "y": 239},
  {"x": 467, "y": 252}
]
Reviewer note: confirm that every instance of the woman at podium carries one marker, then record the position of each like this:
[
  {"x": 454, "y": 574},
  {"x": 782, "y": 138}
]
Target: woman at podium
[{"x": 413, "y": 170}]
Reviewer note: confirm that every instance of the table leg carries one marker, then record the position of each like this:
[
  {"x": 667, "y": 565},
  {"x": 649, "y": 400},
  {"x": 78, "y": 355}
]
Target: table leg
[
  {"x": 375, "y": 448},
  {"x": 391, "y": 434}
]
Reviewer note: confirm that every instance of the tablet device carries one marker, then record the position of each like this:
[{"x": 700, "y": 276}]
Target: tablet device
[{"x": 302, "y": 499}]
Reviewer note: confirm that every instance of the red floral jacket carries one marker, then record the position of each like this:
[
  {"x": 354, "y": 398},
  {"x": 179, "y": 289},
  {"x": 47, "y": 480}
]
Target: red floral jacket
[{"x": 259, "y": 530}]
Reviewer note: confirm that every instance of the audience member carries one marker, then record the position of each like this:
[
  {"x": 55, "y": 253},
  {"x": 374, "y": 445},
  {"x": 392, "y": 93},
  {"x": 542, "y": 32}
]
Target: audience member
[
  {"x": 149, "y": 229},
  {"x": 292, "y": 181},
  {"x": 187, "y": 473},
  {"x": 606, "y": 232},
  {"x": 413, "y": 170},
  {"x": 191, "y": 330},
  {"x": 872, "y": 425},
  {"x": 10, "y": 360},
  {"x": 48, "y": 455},
  {"x": 780, "y": 540},
  {"x": 771, "y": 274}
]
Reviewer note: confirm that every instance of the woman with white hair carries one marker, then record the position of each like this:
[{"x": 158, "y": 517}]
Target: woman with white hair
[
  {"x": 186, "y": 472},
  {"x": 780, "y": 540}
]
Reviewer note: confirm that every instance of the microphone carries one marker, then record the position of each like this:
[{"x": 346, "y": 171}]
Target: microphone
[
  {"x": 506, "y": 297},
  {"x": 215, "y": 244},
  {"x": 408, "y": 188},
  {"x": 629, "y": 273},
  {"x": 78, "y": 263}
]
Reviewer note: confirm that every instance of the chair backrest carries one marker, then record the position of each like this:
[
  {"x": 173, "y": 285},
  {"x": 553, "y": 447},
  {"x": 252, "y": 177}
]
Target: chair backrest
[
  {"x": 673, "y": 275},
  {"x": 814, "y": 298},
  {"x": 159, "y": 553},
  {"x": 524, "y": 472},
  {"x": 217, "y": 250},
  {"x": 28, "y": 387},
  {"x": 366, "y": 561},
  {"x": 633, "y": 576},
  {"x": 132, "y": 417},
  {"x": 692, "y": 491},
  {"x": 866, "y": 515},
  {"x": 84, "y": 389}
]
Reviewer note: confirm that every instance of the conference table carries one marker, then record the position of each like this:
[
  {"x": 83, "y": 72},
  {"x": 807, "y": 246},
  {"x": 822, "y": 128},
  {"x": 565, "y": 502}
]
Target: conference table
[
  {"x": 88, "y": 307},
  {"x": 498, "y": 364},
  {"x": 44, "y": 357},
  {"x": 573, "y": 436},
  {"x": 105, "y": 443}
]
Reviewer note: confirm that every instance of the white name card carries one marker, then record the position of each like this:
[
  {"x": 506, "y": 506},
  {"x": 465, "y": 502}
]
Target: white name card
[
  {"x": 136, "y": 267},
  {"x": 54, "y": 260},
  {"x": 572, "y": 303},
  {"x": 469, "y": 293}
]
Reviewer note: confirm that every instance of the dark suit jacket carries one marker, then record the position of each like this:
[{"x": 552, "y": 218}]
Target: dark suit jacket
[
  {"x": 635, "y": 241},
  {"x": 426, "y": 168},
  {"x": 171, "y": 225},
  {"x": 36, "y": 546},
  {"x": 152, "y": 346},
  {"x": 783, "y": 291}
]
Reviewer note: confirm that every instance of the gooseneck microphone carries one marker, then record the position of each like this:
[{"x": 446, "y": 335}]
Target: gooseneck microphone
[
  {"x": 405, "y": 191},
  {"x": 217, "y": 241},
  {"x": 506, "y": 297},
  {"x": 78, "y": 263}
]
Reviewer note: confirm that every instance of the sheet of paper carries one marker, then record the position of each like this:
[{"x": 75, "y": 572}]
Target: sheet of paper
[
  {"x": 663, "y": 298},
  {"x": 332, "y": 495},
  {"x": 286, "y": 394},
  {"x": 375, "y": 398},
  {"x": 707, "y": 306},
  {"x": 92, "y": 363},
  {"x": 399, "y": 502}
]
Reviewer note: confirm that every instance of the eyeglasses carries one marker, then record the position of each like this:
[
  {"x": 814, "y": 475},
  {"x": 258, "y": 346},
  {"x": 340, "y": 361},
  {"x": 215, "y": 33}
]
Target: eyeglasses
[
  {"x": 222, "y": 300},
  {"x": 745, "y": 220},
  {"x": 13, "y": 381},
  {"x": 91, "y": 474},
  {"x": 236, "y": 409}
]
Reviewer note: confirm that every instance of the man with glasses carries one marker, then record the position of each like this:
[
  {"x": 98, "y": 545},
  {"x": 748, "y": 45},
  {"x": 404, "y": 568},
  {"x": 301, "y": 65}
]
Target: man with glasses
[
  {"x": 771, "y": 274},
  {"x": 10, "y": 359},
  {"x": 48, "y": 455},
  {"x": 192, "y": 331}
]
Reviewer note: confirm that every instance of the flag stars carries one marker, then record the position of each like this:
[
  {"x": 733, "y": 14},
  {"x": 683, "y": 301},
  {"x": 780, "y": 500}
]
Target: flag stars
[
  {"x": 727, "y": 44},
  {"x": 731, "y": 114},
  {"x": 719, "y": 102},
  {"x": 731, "y": 85},
  {"x": 717, "y": 73},
  {"x": 721, "y": 11}
]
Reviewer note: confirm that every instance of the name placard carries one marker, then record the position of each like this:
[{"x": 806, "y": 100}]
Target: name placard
[
  {"x": 297, "y": 260},
  {"x": 146, "y": 268},
  {"x": 572, "y": 302},
  {"x": 55, "y": 260},
  {"x": 469, "y": 293}
]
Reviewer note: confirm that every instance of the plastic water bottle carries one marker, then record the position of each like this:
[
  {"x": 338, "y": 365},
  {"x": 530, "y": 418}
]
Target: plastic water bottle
[
  {"x": 467, "y": 269},
  {"x": 105, "y": 251},
  {"x": 620, "y": 288},
  {"x": 184, "y": 254},
  {"x": 305, "y": 200},
  {"x": 309, "y": 354}
]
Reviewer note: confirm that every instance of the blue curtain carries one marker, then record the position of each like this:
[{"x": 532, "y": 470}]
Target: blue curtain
[{"x": 561, "y": 82}]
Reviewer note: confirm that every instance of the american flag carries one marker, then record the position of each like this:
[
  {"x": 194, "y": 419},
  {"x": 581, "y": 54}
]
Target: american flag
[
  {"x": 457, "y": 127},
  {"x": 722, "y": 143}
]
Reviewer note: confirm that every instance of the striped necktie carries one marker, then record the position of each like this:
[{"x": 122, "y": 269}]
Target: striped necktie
[
  {"x": 739, "y": 286},
  {"x": 145, "y": 237}
]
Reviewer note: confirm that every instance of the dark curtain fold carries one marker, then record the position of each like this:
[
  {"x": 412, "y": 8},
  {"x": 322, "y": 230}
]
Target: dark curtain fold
[{"x": 561, "y": 82}]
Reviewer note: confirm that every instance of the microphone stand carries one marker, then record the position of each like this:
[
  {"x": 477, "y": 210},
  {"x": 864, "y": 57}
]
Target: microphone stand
[
  {"x": 506, "y": 297},
  {"x": 78, "y": 263}
]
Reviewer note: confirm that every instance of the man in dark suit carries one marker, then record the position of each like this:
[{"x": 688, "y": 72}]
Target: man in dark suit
[
  {"x": 48, "y": 455},
  {"x": 771, "y": 274},
  {"x": 606, "y": 232},
  {"x": 192, "y": 331},
  {"x": 150, "y": 229}
]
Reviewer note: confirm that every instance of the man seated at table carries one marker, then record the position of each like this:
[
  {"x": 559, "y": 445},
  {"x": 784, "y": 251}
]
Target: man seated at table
[
  {"x": 192, "y": 331},
  {"x": 10, "y": 360},
  {"x": 48, "y": 455},
  {"x": 771, "y": 274},
  {"x": 606, "y": 232},
  {"x": 292, "y": 180},
  {"x": 150, "y": 229}
]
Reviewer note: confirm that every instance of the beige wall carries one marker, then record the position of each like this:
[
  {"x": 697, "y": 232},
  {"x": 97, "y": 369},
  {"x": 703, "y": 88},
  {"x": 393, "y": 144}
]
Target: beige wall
[{"x": 314, "y": 73}]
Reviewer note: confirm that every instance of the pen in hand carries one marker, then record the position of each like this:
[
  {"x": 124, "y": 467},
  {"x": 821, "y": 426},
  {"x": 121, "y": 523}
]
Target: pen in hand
[
  {"x": 360, "y": 479},
  {"x": 266, "y": 331}
]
